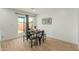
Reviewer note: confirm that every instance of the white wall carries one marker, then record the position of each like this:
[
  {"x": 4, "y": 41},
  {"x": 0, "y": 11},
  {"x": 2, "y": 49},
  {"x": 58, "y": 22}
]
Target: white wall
[
  {"x": 35, "y": 21},
  {"x": 63, "y": 26},
  {"x": 0, "y": 36},
  {"x": 78, "y": 28},
  {"x": 78, "y": 24},
  {"x": 8, "y": 24}
]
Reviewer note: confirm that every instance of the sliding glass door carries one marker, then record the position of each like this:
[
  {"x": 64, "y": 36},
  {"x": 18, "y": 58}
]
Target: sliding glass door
[
  {"x": 21, "y": 24},
  {"x": 25, "y": 22}
]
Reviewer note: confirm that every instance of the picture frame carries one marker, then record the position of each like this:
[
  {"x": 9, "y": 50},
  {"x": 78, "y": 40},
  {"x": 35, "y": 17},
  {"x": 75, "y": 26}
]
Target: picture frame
[{"x": 47, "y": 20}]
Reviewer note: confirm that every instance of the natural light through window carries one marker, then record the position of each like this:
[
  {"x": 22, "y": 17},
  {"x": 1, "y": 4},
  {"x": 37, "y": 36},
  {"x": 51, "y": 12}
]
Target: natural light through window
[
  {"x": 20, "y": 24},
  {"x": 31, "y": 22}
]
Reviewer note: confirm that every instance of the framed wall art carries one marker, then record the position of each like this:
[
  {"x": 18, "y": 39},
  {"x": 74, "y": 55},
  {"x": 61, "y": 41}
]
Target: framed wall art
[{"x": 47, "y": 20}]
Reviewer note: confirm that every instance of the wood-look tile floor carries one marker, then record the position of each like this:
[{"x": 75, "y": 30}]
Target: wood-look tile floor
[{"x": 49, "y": 45}]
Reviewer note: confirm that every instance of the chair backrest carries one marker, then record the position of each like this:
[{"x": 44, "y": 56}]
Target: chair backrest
[{"x": 43, "y": 32}]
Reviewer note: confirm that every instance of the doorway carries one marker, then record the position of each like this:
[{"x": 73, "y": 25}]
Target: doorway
[{"x": 25, "y": 22}]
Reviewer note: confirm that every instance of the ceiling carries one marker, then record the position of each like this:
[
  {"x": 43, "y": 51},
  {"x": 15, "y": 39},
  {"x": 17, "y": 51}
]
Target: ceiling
[
  {"x": 43, "y": 10},
  {"x": 37, "y": 10}
]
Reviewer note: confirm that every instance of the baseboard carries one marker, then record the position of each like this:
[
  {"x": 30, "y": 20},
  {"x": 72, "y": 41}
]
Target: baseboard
[
  {"x": 8, "y": 39},
  {"x": 75, "y": 45}
]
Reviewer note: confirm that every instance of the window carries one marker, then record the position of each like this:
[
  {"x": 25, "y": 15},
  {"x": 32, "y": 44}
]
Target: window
[
  {"x": 31, "y": 22},
  {"x": 20, "y": 24}
]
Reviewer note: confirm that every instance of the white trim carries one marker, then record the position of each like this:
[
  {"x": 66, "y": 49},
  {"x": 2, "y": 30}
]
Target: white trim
[
  {"x": 6, "y": 39},
  {"x": 58, "y": 38}
]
